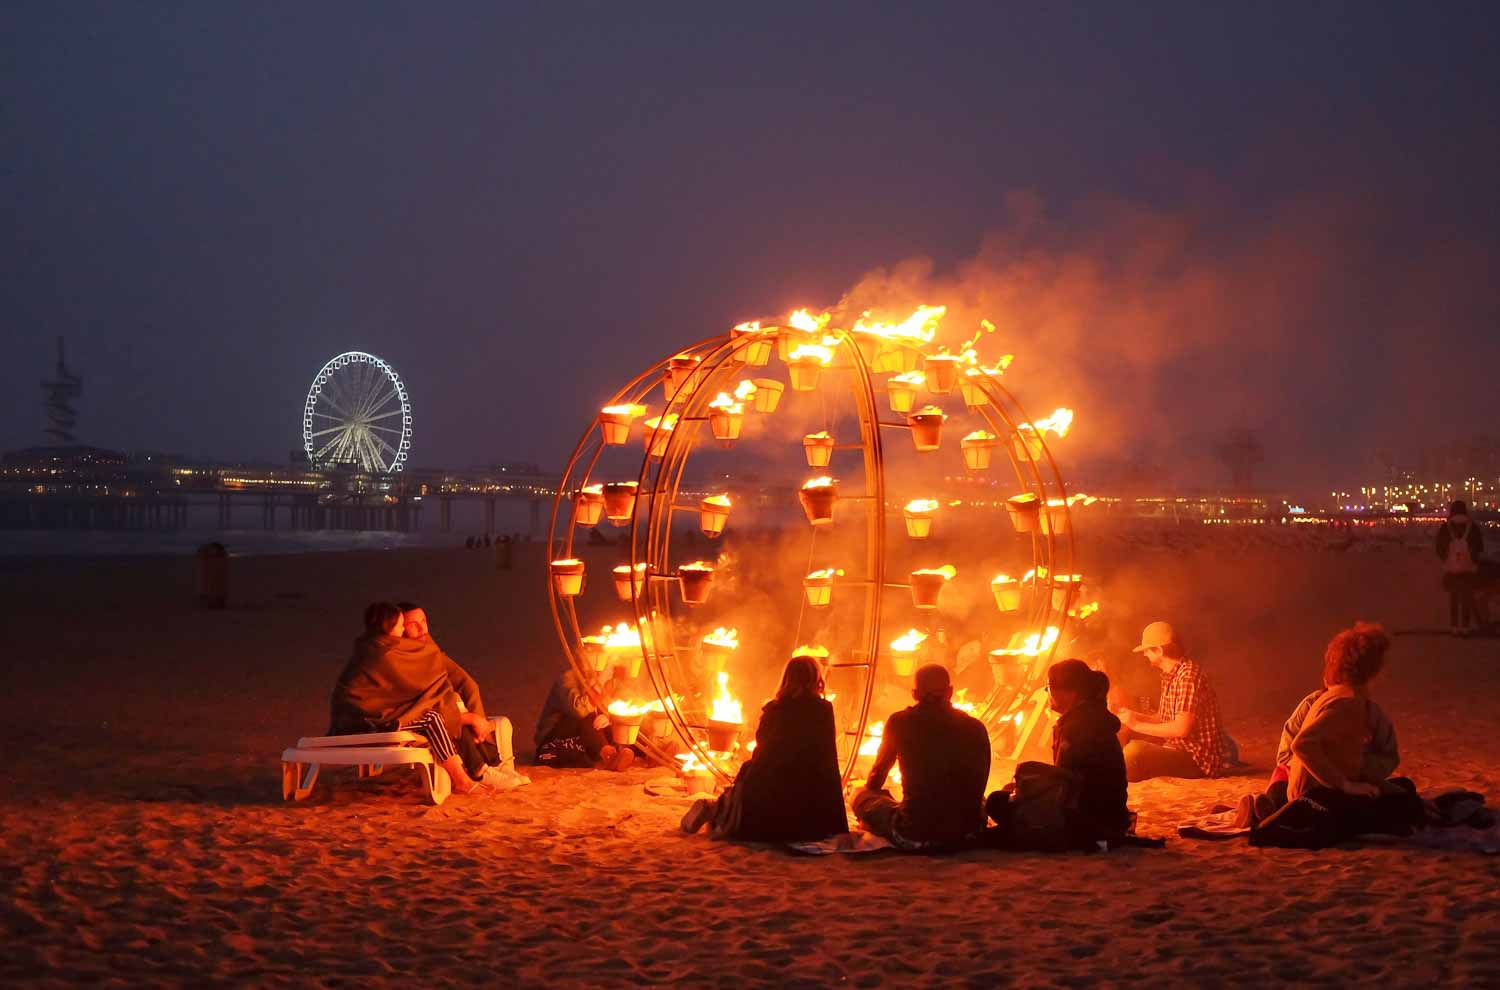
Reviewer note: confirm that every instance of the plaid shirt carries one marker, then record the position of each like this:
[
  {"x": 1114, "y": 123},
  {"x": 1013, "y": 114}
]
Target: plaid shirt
[{"x": 1186, "y": 689}]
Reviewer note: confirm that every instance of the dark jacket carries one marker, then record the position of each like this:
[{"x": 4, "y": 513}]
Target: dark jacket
[
  {"x": 790, "y": 789},
  {"x": 1085, "y": 742},
  {"x": 390, "y": 681},
  {"x": 944, "y": 756}
]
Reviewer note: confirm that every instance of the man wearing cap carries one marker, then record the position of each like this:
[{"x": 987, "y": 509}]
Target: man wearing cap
[
  {"x": 1183, "y": 738},
  {"x": 944, "y": 756}
]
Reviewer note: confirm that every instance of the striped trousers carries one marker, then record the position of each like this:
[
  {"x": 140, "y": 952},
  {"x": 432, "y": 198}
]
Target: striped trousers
[{"x": 431, "y": 726}]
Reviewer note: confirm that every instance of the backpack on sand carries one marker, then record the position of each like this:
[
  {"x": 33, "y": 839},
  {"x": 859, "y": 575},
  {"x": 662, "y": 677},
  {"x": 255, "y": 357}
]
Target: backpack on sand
[{"x": 1459, "y": 559}]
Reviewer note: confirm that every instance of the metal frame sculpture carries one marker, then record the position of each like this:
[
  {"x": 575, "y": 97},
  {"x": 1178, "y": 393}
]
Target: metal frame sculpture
[{"x": 689, "y": 381}]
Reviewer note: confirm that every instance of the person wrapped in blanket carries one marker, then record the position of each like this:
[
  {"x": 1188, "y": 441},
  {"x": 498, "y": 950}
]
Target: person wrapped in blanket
[
  {"x": 1330, "y": 796},
  {"x": 1077, "y": 802},
  {"x": 790, "y": 789},
  {"x": 393, "y": 682},
  {"x": 570, "y": 730}
]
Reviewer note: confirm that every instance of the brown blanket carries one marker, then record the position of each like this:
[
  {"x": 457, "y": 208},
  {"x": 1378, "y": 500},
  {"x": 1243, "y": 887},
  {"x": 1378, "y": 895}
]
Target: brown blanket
[{"x": 390, "y": 681}]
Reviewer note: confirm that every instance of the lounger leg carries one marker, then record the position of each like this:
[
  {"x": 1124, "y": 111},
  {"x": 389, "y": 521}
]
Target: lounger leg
[
  {"x": 375, "y": 769},
  {"x": 436, "y": 781},
  {"x": 308, "y": 777},
  {"x": 289, "y": 774}
]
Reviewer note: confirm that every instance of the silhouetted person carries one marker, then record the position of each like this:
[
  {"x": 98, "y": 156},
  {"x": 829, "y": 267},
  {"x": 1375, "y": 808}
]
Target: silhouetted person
[
  {"x": 1459, "y": 545},
  {"x": 944, "y": 755},
  {"x": 790, "y": 789}
]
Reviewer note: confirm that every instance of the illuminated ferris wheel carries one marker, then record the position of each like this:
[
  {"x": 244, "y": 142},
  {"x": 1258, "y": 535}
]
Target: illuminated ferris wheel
[{"x": 357, "y": 414}]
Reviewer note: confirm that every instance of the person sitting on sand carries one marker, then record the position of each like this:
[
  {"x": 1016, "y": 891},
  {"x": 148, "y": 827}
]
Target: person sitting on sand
[
  {"x": 790, "y": 789},
  {"x": 1459, "y": 545},
  {"x": 1329, "y": 752},
  {"x": 944, "y": 756},
  {"x": 484, "y": 741},
  {"x": 1183, "y": 738},
  {"x": 1381, "y": 757},
  {"x": 570, "y": 730},
  {"x": 1078, "y": 801},
  {"x": 391, "y": 683}
]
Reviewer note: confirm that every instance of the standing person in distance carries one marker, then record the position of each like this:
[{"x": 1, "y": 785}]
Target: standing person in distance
[{"x": 1459, "y": 545}]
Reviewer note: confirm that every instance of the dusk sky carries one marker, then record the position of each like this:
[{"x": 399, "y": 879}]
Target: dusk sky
[{"x": 1184, "y": 218}]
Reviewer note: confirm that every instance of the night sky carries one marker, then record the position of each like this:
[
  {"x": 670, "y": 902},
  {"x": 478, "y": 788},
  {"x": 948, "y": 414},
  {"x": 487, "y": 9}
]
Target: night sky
[{"x": 1184, "y": 218}]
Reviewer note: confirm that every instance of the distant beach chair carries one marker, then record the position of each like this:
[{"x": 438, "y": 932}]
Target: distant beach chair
[{"x": 370, "y": 753}]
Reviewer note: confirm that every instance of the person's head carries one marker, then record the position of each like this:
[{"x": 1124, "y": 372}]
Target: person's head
[
  {"x": 383, "y": 617},
  {"x": 415, "y": 619},
  {"x": 1356, "y": 655},
  {"x": 932, "y": 683},
  {"x": 802, "y": 678},
  {"x": 1072, "y": 681},
  {"x": 1161, "y": 646},
  {"x": 1458, "y": 508}
]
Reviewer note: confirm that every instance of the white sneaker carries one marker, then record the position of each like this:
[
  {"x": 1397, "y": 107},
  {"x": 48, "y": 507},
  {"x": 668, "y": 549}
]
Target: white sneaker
[{"x": 497, "y": 781}]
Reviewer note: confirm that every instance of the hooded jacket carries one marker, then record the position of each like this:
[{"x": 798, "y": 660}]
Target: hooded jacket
[{"x": 1086, "y": 743}]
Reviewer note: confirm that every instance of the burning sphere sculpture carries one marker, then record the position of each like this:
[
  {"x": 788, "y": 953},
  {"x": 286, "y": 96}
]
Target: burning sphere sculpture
[{"x": 885, "y": 384}]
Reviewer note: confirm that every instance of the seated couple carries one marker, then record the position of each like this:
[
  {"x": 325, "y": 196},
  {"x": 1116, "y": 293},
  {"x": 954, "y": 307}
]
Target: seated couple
[
  {"x": 570, "y": 730},
  {"x": 1337, "y": 751},
  {"x": 398, "y": 678}
]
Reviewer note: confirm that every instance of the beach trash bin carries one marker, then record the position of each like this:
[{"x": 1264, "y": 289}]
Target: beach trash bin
[
  {"x": 213, "y": 575},
  {"x": 502, "y": 553}
]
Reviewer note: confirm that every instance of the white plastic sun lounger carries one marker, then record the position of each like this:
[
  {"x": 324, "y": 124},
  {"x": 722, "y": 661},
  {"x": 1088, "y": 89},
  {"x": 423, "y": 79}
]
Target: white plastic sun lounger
[{"x": 371, "y": 753}]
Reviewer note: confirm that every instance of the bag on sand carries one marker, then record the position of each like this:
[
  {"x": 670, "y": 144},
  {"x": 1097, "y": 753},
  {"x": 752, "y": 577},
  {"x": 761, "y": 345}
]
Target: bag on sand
[
  {"x": 1045, "y": 796},
  {"x": 1459, "y": 559}
]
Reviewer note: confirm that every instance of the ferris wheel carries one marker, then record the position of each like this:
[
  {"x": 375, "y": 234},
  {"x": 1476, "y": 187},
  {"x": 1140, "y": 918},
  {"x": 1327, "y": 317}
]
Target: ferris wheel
[{"x": 357, "y": 414}]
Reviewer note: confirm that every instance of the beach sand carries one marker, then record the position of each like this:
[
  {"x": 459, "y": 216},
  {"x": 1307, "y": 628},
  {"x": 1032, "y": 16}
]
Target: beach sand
[{"x": 145, "y": 842}]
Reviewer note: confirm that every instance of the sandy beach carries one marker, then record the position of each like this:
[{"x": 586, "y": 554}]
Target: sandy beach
[{"x": 145, "y": 841}]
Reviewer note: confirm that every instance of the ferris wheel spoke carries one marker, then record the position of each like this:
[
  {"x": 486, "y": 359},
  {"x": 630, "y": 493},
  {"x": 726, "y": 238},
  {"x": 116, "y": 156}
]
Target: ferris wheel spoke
[
  {"x": 386, "y": 429},
  {"x": 381, "y": 441},
  {"x": 375, "y": 460},
  {"x": 371, "y": 407},
  {"x": 385, "y": 415},
  {"x": 327, "y": 446},
  {"x": 327, "y": 396},
  {"x": 331, "y": 429}
]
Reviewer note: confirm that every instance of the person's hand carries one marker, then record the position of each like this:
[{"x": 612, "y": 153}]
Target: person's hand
[
  {"x": 1359, "y": 788},
  {"x": 1127, "y": 718},
  {"x": 601, "y": 720},
  {"x": 478, "y": 723}
]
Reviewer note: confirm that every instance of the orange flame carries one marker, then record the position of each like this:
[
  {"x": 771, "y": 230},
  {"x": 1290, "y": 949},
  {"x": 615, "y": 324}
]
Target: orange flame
[
  {"x": 918, "y": 505},
  {"x": 908, "y": 641},
  {"x": 823, "y": 482},
  {"x": 726, "y": 707},
  {"x": 725, "y": 636}
]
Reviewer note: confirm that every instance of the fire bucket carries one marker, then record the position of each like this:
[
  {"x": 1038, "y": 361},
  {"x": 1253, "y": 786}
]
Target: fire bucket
[
  {"x": 905, "y": 662},
  {"x": 567, "y": 577},
  {"x": 713, "y": 514},
  {"x": 926, "y": 586},
  {"x": 1007, "y": 592},
  {"x": 1066, "y": 591},
  {"x": 722, "y": 735},
  {"x": 756, "y": 351},
  {"x": 818, "y": 503},
  {"x": 819, "y": 449},
  {"x": 1024, "y": 510},
  {"x": 788, "y": 339},
  {"x": 616, "y": 427},
  {"x": 970, "y": 387},
  {"x": 623, "y": 729},
  {"x": 926, "y": 429},
  {"x": 918, "y": 522},
  {"x": 656, "y": 725},
  {"x": 588, "y": 506},
  {"x": 726, "y": 424},
  {"x": 978, "y": 448},
  {"x": 1007, "y": 668},
  {"x": 656, "y": 437},
  {"x": 716, "y": 655},
  {"x": 902, "y": 394},
  {"x": 767, "y": 394},
  {"x": 1055, "y": 517},
  {"x": 681, "y": 373},
  {"x": 805, "y": 372},
  {"x": 819, "y": 590},
  {"x": 695, "y": 581},
  {"x": 591, "y": 648},
  {"x": 625, "y": 577},
  {"x": 1028, "y": 445},
  {"x": 619, "y": 500},
  {"x": 942, "y": 373}
]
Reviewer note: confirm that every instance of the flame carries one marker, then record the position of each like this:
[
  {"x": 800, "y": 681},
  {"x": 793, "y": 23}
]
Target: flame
[
  {"x": 919, "y": 327},
  {"x": 823, "y": 482},
  {"x": 827, "y": 572},
  {"x": 697, "y": 565},
  {"x": 631, "y": 709},
  {"x": 1084, "y": 611},
  {"x": 995, "y": 370},
  {"x": 630, "y": 410},
  {"x": 720, "y": 500},
  {"x": 1036, "y": 644},
  {"x": 750, "y": 326},
  {"x": 930, "y": 410},
  {"x": 566, "y": 562},
  {"x": 913, "y": 378},
  {"x": 980, "y": 436},
  {"x": 908, "y": 641},
  {"x": 725, "y": 636},
  {"x": 666, "y": 423},
  {"x": 593, "y": 489},
  {"x": 811, "y": 352},
  {"x": 803, "y": 320},
  {"x": 820, "y": 435},
  {"x": 873, "y": 733},
  {"x": 622, "y": 636},
  {"x": 1005, "y": 579},
  {"x": 922, "y": 505},
  {"x": 962, "y": 703},
  {"x": 726, "y": 707},
  {"x": 819, "y": 653},
  {"x": 623, "y": 570},
  {"x": 691, "y": 763},
  {"x": 1059, "y": 422},
  {"x": 727, "y": 403},
  {"x": 947, "y": 571},
  {"x": 745, "y": 390}
]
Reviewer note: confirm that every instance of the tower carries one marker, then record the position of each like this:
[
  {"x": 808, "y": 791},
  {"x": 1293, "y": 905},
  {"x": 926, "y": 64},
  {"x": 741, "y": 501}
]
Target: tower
[{"x": 60, "y": 394}]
